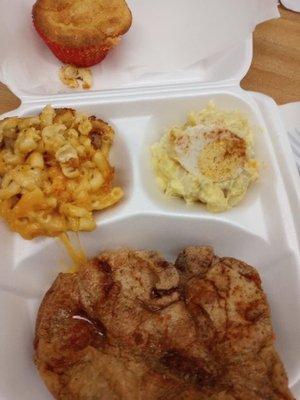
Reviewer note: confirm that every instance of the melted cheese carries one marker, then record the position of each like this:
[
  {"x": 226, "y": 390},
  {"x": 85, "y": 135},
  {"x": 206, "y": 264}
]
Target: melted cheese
[{"x": 75, "y": 252}]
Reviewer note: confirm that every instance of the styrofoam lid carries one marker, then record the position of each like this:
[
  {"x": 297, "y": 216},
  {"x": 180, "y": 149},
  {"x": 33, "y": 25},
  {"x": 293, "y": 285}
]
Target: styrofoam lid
[{"x": 170, "y": 41}]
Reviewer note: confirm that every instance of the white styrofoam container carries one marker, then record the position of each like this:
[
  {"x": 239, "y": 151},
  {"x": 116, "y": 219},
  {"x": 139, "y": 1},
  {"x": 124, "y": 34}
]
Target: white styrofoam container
[{"x": 262, "y": 230}]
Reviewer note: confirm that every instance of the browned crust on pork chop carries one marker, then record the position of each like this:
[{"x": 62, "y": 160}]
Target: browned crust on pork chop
[{"x": 132, "y": 326}]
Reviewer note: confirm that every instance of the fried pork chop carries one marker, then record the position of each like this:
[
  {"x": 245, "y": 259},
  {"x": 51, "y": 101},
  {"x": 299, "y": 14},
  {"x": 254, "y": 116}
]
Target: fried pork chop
[{"x": 132, "y": 326}]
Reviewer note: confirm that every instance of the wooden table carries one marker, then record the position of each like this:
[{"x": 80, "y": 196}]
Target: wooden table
[{"x": 275, "y": 69}]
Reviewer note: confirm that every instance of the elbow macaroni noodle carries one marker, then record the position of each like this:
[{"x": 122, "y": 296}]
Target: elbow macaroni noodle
[{"x": 55, "y": 172}]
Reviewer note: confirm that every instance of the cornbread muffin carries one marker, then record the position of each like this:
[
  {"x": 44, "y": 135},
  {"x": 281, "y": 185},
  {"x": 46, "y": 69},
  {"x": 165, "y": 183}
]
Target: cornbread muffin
[
  {"x": 81, "y": 32},
  {"x": 210, "y": 159}
]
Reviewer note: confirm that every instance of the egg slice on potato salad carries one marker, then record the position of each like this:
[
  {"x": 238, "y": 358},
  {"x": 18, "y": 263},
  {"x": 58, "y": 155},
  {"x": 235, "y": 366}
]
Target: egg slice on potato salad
[{"x": 209, "y": 160}]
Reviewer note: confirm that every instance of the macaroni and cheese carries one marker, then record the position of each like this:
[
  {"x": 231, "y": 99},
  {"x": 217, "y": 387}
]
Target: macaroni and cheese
[{"x": 55, "y": 172}]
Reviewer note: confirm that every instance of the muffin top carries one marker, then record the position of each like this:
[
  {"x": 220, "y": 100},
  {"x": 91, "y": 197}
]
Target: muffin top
[{"x": 78, "y": 23}]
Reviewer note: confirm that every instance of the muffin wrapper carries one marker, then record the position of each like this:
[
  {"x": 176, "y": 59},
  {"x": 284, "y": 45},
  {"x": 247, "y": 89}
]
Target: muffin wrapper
[{"x": 80, "y": 57}]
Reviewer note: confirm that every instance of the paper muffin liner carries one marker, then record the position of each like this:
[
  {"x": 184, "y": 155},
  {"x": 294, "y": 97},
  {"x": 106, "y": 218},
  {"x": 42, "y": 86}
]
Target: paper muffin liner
[{"x": 80, "y": 57}]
